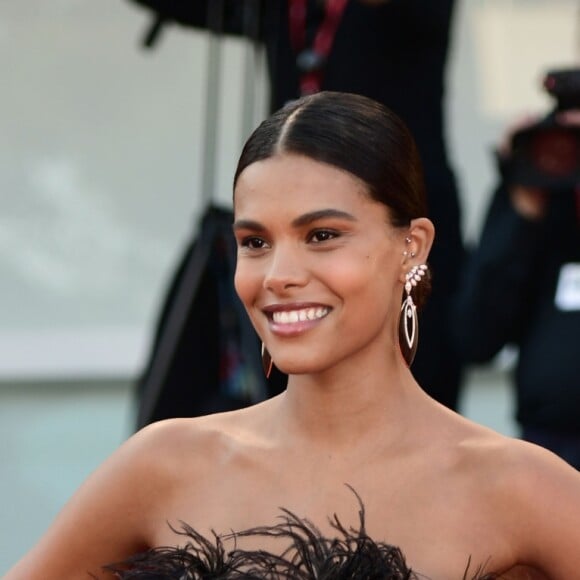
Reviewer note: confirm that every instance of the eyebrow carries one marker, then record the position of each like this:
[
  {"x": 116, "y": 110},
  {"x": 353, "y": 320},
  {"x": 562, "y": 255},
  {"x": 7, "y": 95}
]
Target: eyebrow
[
  {"x": 248, "y": 225},
  {"x": 300, "y": 221},
  {"x": 313, "y": 216}
]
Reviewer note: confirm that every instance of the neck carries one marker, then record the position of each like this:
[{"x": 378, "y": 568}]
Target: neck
[{"x": 349, "y": 403}]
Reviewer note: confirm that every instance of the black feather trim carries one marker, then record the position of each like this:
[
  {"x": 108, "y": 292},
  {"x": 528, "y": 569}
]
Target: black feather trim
[{"x": 351, "y": 555}]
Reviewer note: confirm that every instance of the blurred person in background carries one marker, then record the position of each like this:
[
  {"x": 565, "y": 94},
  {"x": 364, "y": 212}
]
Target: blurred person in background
[{"x": 522, "y": 282}]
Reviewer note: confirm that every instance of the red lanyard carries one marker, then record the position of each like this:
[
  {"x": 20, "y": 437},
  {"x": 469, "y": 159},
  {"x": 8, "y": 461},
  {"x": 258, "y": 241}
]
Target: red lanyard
[{"x": 311, "y": 61}]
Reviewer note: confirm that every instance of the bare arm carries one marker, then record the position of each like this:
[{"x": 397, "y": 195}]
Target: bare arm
[
  {"x": 109, "y": 518},
  {"x": 545, "y": 515}
]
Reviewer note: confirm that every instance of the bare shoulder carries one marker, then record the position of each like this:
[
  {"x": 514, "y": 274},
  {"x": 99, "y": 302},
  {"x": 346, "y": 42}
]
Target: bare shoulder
[
  {"x": 534, "y": 494},
  {"x": 512, "y": 461},
  {"x": 175, "y": 451},
  {"x": 542, "y": 501},
  {"x": 117, "y": 511},
  {"x": 208, "y": 435},
  {"x": 511, "y": 465}
]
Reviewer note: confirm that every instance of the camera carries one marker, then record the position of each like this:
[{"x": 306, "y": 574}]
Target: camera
[{"x": 546, "y": 155}]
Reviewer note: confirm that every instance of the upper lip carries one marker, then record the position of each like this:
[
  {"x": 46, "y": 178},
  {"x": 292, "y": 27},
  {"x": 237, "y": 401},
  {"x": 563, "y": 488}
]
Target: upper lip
[{"x": 292, "y": 306}]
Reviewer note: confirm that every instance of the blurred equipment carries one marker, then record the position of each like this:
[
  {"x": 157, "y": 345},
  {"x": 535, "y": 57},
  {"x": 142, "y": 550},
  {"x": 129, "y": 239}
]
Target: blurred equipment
[
  {"x": 237, "y": 17},
  {"x": 547, "y": 155}
]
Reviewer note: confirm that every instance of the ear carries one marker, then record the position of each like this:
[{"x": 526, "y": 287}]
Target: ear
[{"x": 418, "y": 240}]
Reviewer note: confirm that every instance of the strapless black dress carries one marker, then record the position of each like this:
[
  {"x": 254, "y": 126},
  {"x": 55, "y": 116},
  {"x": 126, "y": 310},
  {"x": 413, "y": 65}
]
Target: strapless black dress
[{"x": 309, "y": 555}]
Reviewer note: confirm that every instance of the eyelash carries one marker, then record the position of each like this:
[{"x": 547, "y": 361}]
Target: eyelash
[
  {"x": 326, "y": 233},
  {"x": 250, "y": 240},
  {"x": 257, "y": 243}
]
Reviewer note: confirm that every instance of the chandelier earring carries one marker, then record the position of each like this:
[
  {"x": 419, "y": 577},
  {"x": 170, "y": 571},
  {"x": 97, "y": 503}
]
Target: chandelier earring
[
  {"x": 408, "y": 320},
  {"x": 267, "y": 363}
]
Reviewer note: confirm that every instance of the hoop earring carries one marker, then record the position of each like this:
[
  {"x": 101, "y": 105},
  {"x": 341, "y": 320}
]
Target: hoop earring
[
  {"x": 408, "y": 320},
  {"x": 266, "y": 361}
]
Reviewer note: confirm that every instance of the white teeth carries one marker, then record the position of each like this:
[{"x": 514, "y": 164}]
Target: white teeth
[
  {"x": 319, "y": 312},
  {"x": 292, "y": 316}
]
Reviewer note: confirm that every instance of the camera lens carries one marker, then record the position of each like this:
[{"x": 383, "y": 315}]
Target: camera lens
[{"x": 554, "y": 152}]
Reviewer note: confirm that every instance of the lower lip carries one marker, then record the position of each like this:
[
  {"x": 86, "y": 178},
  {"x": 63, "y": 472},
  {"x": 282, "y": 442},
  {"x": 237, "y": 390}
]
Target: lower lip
[{"x": 293, "y": 328}]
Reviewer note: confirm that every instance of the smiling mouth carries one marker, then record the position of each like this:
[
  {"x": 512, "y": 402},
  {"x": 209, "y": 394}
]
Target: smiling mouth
[{"x": 300, "y": 315}]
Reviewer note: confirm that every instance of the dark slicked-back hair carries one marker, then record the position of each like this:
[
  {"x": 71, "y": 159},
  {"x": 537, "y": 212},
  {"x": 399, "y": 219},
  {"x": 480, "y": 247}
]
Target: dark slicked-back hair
[{"x": 355, "y": 134}]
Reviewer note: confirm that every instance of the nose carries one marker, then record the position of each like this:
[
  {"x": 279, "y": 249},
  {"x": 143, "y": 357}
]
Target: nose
[{"x": 286, "y": 269}]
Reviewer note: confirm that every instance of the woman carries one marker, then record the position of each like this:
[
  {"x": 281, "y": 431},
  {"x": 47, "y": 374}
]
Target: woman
[{"x": 329, "y": 206}]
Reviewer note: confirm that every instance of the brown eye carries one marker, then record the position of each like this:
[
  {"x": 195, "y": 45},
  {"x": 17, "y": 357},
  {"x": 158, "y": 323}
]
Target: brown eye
[
  {"x": 319, "y": 236},
  {"x": 253, "y": 243}
]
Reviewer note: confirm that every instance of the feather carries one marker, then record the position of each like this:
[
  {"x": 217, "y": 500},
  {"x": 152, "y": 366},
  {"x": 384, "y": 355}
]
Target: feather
[{"x": 309, "y": 555}]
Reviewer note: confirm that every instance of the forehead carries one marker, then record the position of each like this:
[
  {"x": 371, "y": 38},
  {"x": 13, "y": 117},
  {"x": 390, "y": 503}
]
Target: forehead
[{"x": 296, "y": 182}]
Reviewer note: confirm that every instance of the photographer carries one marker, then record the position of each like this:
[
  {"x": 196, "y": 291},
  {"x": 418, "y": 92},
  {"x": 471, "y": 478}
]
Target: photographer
[{"x": 522, "y": 282}]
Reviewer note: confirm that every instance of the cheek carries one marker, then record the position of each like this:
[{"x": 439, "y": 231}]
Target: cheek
[
  {"x": 361, "y": 274},
  {"x": 245, "y": 284},
  {"x": 367, "y": 285},
  {"x": 240, "y": 285}
]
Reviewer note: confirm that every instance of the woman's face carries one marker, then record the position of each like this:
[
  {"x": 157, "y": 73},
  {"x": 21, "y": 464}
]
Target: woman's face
[{"x": 320, "y": 267}]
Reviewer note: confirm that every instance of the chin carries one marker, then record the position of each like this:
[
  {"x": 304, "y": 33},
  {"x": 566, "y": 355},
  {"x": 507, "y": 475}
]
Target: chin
[{"x": 301, "y": 368}]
